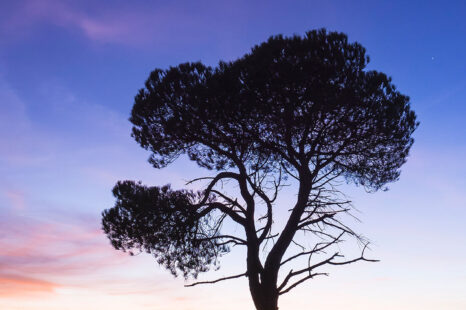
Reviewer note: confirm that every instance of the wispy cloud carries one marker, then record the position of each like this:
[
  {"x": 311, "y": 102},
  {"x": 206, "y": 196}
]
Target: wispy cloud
[
  {"x": 46, "y": 244},
  {"x": 132, "y": 23},
  {"x": 43, "y": 257},
  {"x": 16, "y": 286},
  {"x": 108, "y": 27},
  {"x": 50, "y": 232},
  {"x": 37, "y": 246},
  {"x": 39, "y": 255}
]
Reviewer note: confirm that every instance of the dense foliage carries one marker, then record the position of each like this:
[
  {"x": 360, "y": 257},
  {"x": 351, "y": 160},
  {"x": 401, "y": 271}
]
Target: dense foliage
[{"x": 163, "y": 222}]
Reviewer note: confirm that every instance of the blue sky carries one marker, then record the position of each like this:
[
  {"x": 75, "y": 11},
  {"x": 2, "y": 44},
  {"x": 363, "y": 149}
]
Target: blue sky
[{"x": 68, "y": 73}]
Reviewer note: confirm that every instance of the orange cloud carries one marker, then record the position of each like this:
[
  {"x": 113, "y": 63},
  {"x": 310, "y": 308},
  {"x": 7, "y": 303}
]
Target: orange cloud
[
  {"x": 15, "y": 286},
  {"x": 44, "y": 249}
]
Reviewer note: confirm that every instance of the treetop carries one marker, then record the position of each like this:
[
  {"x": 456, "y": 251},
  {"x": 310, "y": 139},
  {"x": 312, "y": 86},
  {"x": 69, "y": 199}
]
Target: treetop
[{"x": 300, "y": 101}]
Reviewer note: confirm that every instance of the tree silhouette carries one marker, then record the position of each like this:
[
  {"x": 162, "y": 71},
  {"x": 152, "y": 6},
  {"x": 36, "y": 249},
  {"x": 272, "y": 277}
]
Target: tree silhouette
[{"x": 295, "y": 110}]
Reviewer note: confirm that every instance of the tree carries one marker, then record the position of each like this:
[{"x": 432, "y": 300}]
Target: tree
[{"x": 295, "y": 110}]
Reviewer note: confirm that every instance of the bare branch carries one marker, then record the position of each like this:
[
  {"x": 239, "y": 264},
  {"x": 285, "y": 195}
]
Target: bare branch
[
  {"x": 307, "y": 269},
  {"x": 217, "y": 280},
  {"x": 233, "y": 202},
  {"x": 310, "y": 276},
  {"x": 356, "y": 259},
  {"x": 232, "y": 238},
  {"x": 257, "y": 189},
  {"x": 317, "y": 220},
  {"x": 317, "y": 248},
  {"x": 218, "y": 177}
]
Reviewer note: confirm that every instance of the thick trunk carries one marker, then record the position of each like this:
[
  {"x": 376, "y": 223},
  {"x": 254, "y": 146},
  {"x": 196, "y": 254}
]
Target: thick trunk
[
  {"x": 265, "y": 296},
  {"x": 262, "y": 283},
  {"x": 268, "y": 303}
]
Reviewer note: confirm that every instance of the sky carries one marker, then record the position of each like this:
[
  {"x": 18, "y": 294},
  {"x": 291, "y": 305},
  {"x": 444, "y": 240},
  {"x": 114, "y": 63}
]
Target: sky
[{"x": 69, "y": 71}]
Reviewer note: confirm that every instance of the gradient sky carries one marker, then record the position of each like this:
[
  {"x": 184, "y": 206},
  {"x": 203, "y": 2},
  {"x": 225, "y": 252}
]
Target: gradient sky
[{"x": 68, "y": 73}]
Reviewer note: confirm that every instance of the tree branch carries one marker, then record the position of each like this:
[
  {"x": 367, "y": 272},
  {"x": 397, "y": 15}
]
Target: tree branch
[
  {"x": 220, "y": 206},
  {"x": 217, "y": 280},
  {"x": 312, "y": 275},
  {"x": 317, "y": 220},
  {"x": 316, "y": 249},
  {"x": 234, "y": 239}
]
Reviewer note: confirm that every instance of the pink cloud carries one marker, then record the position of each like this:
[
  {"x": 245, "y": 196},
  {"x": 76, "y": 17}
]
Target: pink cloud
[
  {"x": 105, "y": 27},
  {"x": 40, "y": 255},
  {"x": 132, "y": 24},
  {"x": 15, "y": 286},
  {"x": 51, "y": 252}
]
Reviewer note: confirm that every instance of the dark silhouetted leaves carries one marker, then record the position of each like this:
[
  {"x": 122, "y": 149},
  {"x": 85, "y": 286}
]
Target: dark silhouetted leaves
[
  {"x": 163, "y": 222},
  {"x": 294, "y": 101}
]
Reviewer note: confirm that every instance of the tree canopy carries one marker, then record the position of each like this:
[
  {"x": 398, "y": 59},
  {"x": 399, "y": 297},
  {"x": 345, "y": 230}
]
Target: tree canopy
[{"x": 300, "y": 107}]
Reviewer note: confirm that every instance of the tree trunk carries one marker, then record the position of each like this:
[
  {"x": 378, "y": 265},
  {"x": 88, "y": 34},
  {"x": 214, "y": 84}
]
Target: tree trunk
[
  {"x": 264, "y": 297},
  {"x": 263, "y": 288}
]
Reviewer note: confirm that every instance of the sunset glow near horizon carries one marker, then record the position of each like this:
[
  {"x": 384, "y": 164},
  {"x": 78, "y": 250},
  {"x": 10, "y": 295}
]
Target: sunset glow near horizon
[{"x": 69, "y": 71}]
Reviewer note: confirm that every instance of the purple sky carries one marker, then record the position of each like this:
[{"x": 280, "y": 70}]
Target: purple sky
[{"x": 68, "y": 73}]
